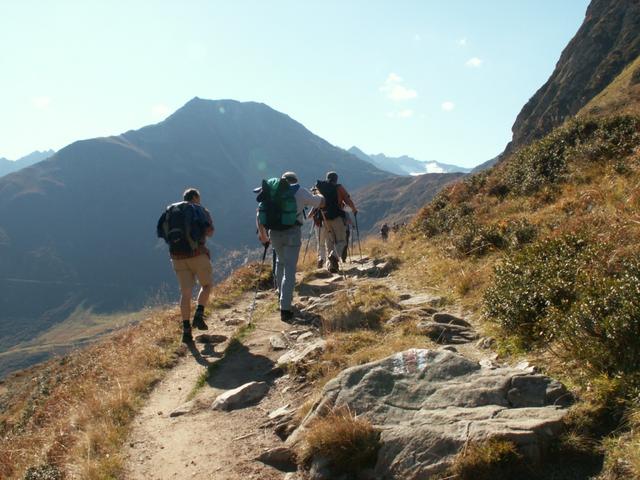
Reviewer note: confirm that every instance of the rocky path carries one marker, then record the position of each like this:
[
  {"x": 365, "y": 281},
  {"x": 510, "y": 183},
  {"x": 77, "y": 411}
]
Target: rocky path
[{"x": 245, "y": 408}]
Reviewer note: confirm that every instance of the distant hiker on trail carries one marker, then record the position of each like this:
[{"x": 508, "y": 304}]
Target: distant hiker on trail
[
  {"x": 316, "y": 216},
  {"x": 384, "y": 232},
  {"x": 185, "y": 227},
  {"x": 336, "y": 198},
  {"x": 279, "y": 220}
]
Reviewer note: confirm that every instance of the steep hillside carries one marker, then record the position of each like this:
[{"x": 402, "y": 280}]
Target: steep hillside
[
  {"x": 396, "y": 200},
  {"x": 607, "y": 41},
  {"x": 406, "y": 165},
  {"x": 621, "y": 96},
  {"x": 79, "y": 228},
  {"x": 9, "y": 166}
]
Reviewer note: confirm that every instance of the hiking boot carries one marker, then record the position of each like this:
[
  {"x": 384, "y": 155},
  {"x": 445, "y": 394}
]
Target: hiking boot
[
  {"x": 320, "y": 262},
  {"x": 286, "y": 316},
  {"x": 198, "y": 321},
  {"x": 333, "y": 264},
  {"x": 186, "y": 336}
]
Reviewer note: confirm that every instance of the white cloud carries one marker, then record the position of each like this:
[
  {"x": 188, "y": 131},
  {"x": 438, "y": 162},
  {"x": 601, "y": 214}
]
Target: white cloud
[
  {"x": 406, "y": 113},
  {"x": 395, "y": 90},
  {"x": 160, "y": 111},
  {"x": 448, "y": 106},
  {"x": 41, "y": 102},
  {"x": 462, "y": 42},
  {"x": 474, "y": 62}
]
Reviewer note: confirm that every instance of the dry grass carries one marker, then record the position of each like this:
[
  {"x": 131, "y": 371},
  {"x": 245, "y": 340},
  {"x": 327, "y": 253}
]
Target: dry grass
[
  {"x": 493, "y": 459},
  {"x": 71, "y": 415},
  {"x": 359, "y": 306},
  {"x": 348, "y": 443}
]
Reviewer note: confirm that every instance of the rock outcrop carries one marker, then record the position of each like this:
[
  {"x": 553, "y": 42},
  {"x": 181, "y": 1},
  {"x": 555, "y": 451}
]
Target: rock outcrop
[
  {"x": 607, "y": 41},
  {"x": 429, "y": 404}
]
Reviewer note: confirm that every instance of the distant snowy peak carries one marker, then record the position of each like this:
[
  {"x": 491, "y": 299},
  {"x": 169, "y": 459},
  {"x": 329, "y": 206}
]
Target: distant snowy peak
[{"x": 406, "y": 165}]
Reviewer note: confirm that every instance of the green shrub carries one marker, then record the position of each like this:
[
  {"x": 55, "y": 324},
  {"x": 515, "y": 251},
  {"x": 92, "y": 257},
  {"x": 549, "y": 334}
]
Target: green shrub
[
  {"x": 469, "y": 238},
  {"x": 546, "y": 161},
  {"x": 602, "y": 327},
  {"x": 530, "y": 282}
]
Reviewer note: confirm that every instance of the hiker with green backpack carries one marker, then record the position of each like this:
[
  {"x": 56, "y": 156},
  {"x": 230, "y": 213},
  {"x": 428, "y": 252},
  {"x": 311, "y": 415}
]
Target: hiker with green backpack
[{"x": 280, "y": 216}]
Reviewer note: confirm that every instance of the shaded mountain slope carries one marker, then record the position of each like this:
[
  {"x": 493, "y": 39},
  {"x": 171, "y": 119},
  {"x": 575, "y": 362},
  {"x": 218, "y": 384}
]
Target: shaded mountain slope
[
  {"x": 607, "y": 41},
  {"x": 80, "y": 226},
  {"x": 397, "y": 199}
]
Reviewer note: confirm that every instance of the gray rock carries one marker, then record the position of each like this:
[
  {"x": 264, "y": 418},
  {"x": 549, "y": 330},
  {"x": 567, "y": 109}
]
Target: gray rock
[
  {"x": 278, "y": 342},
  {"x": 279, "y": 412},
  {"x": 423, "y": 299},
  {"x": 304, "y": 337},
  {"x": 183, "y": 409},
  {"x": 244, "y": 395},
  {"x": 449, "y": 319},
  {"x": 444, "y": 333},
  {"x": 486, "y": 343},
  {"x": 233, "y": 321},
  {"x": 308, "y": 353},
  {"x": 429, "y": 404},
  {"x": 282, "y": 458}
]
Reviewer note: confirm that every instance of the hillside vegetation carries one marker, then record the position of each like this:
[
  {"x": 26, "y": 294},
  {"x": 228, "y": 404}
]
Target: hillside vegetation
[{"x": 545, "y": 247}]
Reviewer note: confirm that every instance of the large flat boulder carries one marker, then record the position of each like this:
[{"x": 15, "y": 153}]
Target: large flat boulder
[{"x": 428, "y": 404}]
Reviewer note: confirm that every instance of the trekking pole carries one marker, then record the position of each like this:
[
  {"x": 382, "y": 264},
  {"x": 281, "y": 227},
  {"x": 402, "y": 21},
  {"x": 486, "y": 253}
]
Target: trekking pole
[
  {"x": 355, "y": 215},
  {"x": 304, "y": 257},
  {"x": 255, "y": 294}
]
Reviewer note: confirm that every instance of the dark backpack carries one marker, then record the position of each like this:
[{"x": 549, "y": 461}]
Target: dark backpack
[
  {"x": 329, "y": 191},
  {"x": 277, "y": 206},
  {"x": 182, "y": 226}
]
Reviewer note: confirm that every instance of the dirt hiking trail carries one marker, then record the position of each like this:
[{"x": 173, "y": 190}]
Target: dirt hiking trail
[{"x": 178, "y": 435}]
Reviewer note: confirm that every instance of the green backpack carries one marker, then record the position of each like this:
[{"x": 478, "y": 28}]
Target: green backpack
[{"x": 277, "y": 207}]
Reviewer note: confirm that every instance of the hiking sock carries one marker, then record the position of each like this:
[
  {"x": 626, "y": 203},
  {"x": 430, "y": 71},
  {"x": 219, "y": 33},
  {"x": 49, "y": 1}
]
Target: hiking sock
[
  {"x": 198, "y": 318},
  {"x": 186, "y": 332}
]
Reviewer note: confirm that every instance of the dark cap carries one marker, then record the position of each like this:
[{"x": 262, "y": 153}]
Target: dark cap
[{"x": 332, "y": 176}]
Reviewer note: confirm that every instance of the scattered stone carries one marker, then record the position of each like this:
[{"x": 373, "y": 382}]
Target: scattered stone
[
  {"x": 423, "y": 299},
  {"x": 486, "y": 343},
  {"x": 430, "y": 404},
  {"x": 487, "y": 363},
  {"x": 282, "y": 458},
  {"x": 449, "y": 319},
  {"x": 262, "y": 295},
  {"x": 304, "y": 336},
  {"x": 444, "y": 333},
  {"x": 401, "y": 317},
  {"x": 280, "y": 412},
  {"x": 308, "y": 353},
  {"x": 448, "y": 348},
  {"x": 404, "y": 296},
  {"x": 526, "y": 366},
  {"x": 285, "y": 427},
  {"x": 183, "y": 409},
  {"x": 244, "y": 395},
  {"x": 278, "y": 342},
  {"x": 233, "y": 321}
]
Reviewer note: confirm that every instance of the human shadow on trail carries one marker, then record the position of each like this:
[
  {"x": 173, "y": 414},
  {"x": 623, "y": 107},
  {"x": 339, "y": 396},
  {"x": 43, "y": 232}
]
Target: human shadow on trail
[
  {"x": 240, "y": 366},
  {"x": 198, "y": 356}
]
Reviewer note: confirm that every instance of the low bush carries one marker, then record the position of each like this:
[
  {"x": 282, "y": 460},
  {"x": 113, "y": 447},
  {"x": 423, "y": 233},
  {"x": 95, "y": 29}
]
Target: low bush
[
  {"x": 530, "y": 282},
  {"x": 546, "y": 161}
]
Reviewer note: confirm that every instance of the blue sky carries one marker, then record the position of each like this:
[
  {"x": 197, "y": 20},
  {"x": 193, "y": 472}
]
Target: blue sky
[{"x": 436, "y": 80}]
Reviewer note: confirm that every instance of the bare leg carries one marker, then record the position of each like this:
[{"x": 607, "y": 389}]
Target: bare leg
[
  {"x": 203, "y": 296},
  {"x": 185, "y": 304}
]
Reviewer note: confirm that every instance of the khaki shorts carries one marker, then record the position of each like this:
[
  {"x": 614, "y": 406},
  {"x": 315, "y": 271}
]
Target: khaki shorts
[{"x": 188, "y": 269}]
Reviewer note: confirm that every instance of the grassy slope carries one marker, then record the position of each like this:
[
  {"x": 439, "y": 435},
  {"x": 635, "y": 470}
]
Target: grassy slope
[
  {"x": 71, "y": 414},
  {"x": 621, "y": 96}
]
